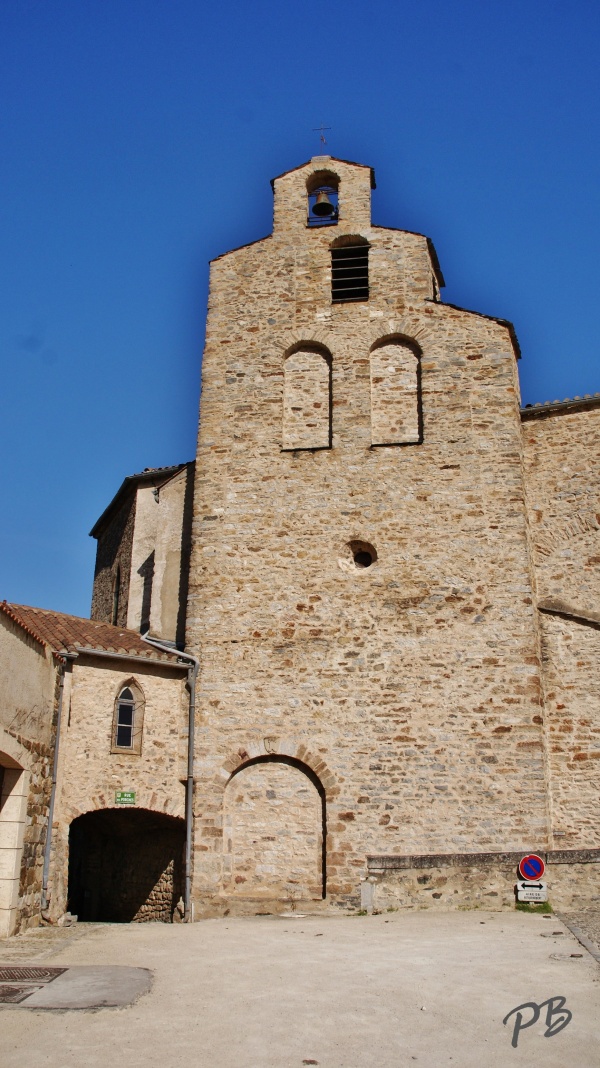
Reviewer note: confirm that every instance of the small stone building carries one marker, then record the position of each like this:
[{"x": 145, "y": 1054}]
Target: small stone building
[
  {"x": 388, "y": 573},
  {"x": 117, "y": 848}
]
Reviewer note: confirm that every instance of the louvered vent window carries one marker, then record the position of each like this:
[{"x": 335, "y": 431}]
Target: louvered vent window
[{"x": 349, "y": 274}]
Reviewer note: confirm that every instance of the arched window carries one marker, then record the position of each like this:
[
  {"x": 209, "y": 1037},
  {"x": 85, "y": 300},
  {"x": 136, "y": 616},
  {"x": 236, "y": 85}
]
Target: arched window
[
  {"x": 349, "y": 270},
  {"x": 395, "y": 393},
  {"x": 307, "y": 399},
  {"x": 128, "y": 719}
]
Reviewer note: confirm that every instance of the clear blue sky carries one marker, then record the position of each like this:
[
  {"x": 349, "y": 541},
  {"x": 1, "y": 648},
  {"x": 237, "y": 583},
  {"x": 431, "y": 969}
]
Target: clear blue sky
[{"x": 138, "y": 140}]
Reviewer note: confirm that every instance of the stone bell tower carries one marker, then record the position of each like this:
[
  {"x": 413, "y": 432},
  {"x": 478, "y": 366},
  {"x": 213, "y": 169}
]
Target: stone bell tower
[{"x": 360, "y": 585}]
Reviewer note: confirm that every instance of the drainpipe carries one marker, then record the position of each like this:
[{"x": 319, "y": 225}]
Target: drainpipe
[
  {"x": 45, "y": 902},
  {"x": 194, "y": 667}
]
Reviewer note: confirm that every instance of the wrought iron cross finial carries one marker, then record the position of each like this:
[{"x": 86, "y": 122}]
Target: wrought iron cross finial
[{"x": 321, "y": 130}]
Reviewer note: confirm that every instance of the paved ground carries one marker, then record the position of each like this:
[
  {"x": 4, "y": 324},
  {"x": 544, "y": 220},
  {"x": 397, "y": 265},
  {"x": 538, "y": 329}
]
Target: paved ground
[{"x": 400, "y": 990}]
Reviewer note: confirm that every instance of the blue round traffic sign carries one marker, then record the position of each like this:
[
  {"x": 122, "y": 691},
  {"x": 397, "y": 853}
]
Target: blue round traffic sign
[{"x": 531, "y": 867}]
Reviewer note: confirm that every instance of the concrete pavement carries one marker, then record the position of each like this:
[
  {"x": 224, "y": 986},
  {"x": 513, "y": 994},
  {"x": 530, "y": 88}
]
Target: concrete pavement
[{"x": 401, "y": 989}]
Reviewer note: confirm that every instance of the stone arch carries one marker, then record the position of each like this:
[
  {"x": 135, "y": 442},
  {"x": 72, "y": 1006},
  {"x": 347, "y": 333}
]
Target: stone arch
[
  {"x": 288, "y": 340},
  {"x": 145, "y": 799},
  {"x": 409, "y": 328},
  {"x": 322, "y": 177},
  {"x": 13, "y": 753},
  {"x": 551, "y": 541},
  {"x": 307, "y": 397},
  {"x": 272, "y": 745},
  {"x": 396, "y": 410},
  {"x": 567, "y": 561}
]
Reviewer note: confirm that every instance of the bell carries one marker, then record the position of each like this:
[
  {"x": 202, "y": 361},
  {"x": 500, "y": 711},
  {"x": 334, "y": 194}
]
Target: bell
[{"x": 323, "y": 206}]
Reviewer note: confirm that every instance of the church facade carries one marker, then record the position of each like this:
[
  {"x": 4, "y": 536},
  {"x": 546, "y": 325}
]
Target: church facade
[{"x": 373, "y": 599}]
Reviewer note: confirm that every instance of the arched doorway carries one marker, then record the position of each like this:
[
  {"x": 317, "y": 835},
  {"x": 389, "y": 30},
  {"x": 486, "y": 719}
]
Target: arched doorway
[
  {"x": 13, "y": 806},
  {"x": 125, "y": 865},
  {"x": 274, "y": 831}
]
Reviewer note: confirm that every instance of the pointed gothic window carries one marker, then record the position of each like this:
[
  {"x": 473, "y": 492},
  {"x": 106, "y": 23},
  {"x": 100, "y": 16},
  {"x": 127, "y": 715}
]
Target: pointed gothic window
[
  {"x": 307, "y": 399},
  {"x": 395, "y": 394},
  {"x": 128, "y": 719}
]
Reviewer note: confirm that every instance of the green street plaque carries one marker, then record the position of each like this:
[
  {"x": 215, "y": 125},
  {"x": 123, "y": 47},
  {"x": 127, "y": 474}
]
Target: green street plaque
[{"x": 124, "y": 797}]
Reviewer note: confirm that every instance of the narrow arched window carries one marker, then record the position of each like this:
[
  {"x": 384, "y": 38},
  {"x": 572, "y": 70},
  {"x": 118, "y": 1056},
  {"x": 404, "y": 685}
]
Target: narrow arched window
[
  {"x": 128, "y": 719},
  {"x": 307, "y": 399},
  {"x": 395, "y": 394},
  {"x": 125, "y": 718}
]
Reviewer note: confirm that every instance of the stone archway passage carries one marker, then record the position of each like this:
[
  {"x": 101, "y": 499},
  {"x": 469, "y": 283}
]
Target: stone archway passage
[
  {"x": 274, "y": 832},
  {"x": 125, "y": 865}
]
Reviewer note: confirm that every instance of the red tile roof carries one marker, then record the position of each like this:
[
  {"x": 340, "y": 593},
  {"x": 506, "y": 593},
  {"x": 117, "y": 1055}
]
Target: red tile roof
[
  {"x": 73, "y": 634},
  {"x": 8, "y": 610}
]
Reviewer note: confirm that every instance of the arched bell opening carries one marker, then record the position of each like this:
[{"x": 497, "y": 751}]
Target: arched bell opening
[
  {"x": 125, "y": 865},
  {"x": 322, "y": 190}
]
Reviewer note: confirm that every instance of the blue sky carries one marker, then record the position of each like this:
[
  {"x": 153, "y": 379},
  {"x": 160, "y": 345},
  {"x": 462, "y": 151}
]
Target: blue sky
[{"x": 138, "y": 140}]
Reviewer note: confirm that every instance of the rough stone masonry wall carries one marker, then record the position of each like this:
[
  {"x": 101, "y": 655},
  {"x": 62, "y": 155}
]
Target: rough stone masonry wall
[
  {"x": 415, "y": 682},
  {"x": 485, "y": 881},
  {"x": 572, "y": 680},
  {"x": 114, "y": 553},
  {"x": 562, "y": 466}
]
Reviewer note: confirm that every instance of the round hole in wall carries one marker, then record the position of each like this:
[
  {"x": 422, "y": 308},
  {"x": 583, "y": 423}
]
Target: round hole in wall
[{"x": 359, "y": 555}]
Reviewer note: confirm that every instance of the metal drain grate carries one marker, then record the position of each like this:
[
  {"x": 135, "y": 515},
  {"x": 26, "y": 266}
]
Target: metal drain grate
[
  {"x": 12, "y": 995},
  {"x": 9, "y": 974}
]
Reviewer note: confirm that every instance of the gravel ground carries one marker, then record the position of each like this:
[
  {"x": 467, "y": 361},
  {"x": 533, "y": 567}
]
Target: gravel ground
[
  {"x": 588, "y": 922},
  {"x": 38, "y": 943}
]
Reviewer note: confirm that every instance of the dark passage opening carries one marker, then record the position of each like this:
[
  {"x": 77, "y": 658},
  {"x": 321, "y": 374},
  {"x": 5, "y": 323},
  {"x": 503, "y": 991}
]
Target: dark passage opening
[
  {"x": 125, "y": 865},
  {"x": 349, "y": 273}
]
